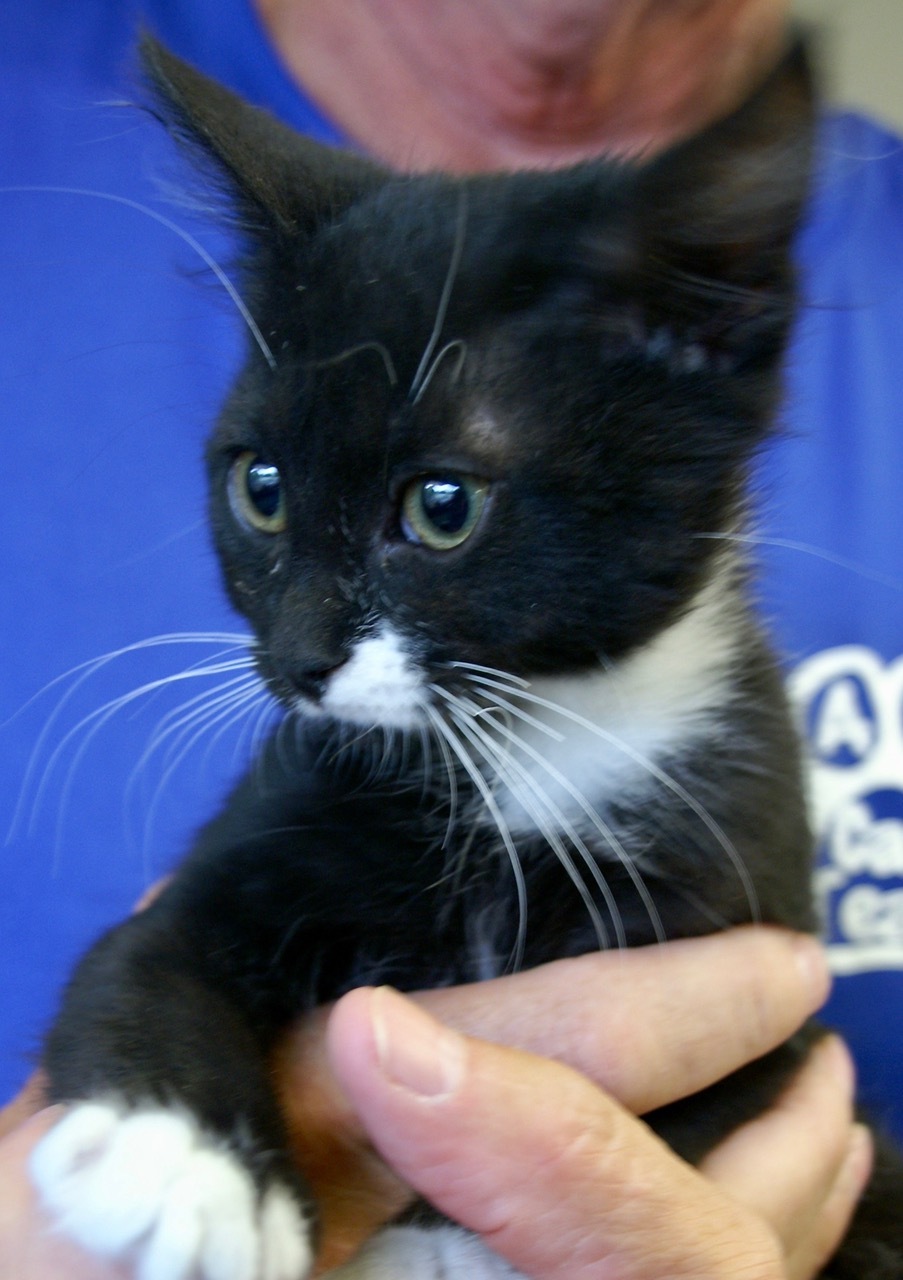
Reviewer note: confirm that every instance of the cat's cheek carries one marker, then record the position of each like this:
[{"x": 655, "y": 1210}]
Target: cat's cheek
[{"x": 150, "y": 1186}]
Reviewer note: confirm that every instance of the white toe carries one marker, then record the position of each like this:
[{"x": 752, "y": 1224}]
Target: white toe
[{"x": 152, "y": 1185}]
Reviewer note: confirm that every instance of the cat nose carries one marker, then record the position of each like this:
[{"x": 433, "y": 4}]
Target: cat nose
[{"x": 311, "y": 683}]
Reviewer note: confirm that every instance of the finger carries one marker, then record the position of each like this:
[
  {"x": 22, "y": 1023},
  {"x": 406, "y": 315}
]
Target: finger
[
  {"x": 556, "y": 1176},
  {"x": 811, "y": 1254},
  {"x": 151, "y": 895},
  {"x": 709, "y": 1005},
  {"x": 356, "y": 1191},
  {"x": 25, "y": 1104},
  {"x": 29, "y": 1249},
  {"x": 784, "y": 1164}
]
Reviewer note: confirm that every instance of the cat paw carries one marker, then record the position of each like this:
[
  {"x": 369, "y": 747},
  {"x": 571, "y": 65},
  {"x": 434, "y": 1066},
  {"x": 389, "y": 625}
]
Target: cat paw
[
  {"x": 440, "y": 1252},
  {"x": 148, "y": 1185}
]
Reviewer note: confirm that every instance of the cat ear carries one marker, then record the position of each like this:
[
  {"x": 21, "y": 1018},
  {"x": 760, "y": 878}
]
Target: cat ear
[
  {"x": 724, "y": 205},
  {"x": 275, "y": 178}
]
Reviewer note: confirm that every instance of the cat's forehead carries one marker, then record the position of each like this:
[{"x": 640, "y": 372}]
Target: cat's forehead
[{"x": 427, "y": 243}]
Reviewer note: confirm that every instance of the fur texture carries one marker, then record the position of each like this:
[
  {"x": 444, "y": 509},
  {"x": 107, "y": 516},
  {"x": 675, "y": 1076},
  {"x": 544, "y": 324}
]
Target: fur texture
[{"x": 463, "y": 492}]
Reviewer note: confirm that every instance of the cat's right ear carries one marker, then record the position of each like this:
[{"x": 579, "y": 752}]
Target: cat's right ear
[{"x": 274, "y": 179}]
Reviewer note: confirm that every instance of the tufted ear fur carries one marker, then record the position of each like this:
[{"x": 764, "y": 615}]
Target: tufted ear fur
[
  {"x": 723, "y": 207},
  {"x": 276, "y": 179}
]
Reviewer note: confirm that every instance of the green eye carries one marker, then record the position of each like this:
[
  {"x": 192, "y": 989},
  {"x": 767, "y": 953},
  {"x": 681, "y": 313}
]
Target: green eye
[
  {"x": 441, "y": 512},
  {"x": 255, "y": 491}
]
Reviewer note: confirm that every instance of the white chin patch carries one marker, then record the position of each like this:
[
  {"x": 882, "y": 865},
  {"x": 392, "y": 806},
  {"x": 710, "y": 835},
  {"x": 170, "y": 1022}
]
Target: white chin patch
[{"x": 380, "y": 684}]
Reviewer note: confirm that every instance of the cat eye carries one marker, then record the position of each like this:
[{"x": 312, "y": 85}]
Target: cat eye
[
  {"x": 442, "y": 511},
  {"x": 255, "y": 492}
]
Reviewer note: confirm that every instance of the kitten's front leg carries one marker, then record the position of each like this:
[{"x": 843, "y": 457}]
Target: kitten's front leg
[{"x": 171, "y": 1153}]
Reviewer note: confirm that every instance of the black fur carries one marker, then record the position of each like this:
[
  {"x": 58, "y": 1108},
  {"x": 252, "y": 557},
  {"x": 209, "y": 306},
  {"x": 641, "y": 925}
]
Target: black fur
[{"x": 622, "y": 326}]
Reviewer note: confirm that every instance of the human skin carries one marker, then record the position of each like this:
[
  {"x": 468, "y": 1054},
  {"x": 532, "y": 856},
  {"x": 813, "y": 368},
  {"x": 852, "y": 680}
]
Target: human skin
[
  {"x": 483, "y": 84},
  {"x": 359, "y": 1082}
]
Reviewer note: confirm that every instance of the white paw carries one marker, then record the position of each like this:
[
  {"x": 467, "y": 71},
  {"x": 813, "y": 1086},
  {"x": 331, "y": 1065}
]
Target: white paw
[
  {"x": 150, "y": 1186},
  {"x": 443, "y": 1252}
]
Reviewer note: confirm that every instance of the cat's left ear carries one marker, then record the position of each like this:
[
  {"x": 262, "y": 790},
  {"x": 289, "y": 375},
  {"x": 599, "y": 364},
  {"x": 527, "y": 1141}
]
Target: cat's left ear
[
  {"x": 275, "y": 179},
  {"x": 725, "y": 205}
]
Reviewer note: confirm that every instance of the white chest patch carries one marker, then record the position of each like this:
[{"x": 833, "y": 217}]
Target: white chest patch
[{"x": 601, "y": 735}]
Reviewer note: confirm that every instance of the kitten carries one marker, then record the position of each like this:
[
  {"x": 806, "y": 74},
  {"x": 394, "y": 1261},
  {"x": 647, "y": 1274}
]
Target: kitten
[{"x": 464, "y": 491}]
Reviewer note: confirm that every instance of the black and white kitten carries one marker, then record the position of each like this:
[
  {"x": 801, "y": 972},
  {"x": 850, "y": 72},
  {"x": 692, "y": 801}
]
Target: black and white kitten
[{"x": 469, "y": 491}]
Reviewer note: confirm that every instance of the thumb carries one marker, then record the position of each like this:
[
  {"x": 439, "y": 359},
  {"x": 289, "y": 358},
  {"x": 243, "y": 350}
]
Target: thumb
[{"x": 554, "y": 1174}]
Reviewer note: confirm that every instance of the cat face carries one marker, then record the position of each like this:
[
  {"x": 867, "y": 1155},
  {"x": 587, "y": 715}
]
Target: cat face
[{"x": 489, "y": 418}]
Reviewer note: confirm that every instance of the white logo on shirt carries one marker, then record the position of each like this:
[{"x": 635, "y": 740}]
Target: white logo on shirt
[{"x": 849, "y": 705}]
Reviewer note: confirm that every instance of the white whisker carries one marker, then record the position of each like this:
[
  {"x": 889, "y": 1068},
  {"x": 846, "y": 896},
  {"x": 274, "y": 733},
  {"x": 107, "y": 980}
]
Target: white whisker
[
  {"x": 807, "y": 548},
  {"x": 225, "y": 716},
  {"x": 445, "y": 297},
  {"x": 604, "y": 830},
  {"x": 381, "y": 350},
  {"x": 181, "y": 722},
  {"x": 452, "y": 775},
  {"x": 544, "y": 813},
  {"x": 667, "y": 781},
  {"x": 564, "y": 825},
  {"x": 91, "y": 724},
  {"x": 503, "y": 704},
  {"x": 461, "y": 346},
  {"x": 602, "y": 827},
  {"x": 426, "y": 758},
  {"x": 516, "y": 681},
  {"x": 34, "y": 788},
  {"x": 445, "y": 731},
  {"x": 183, "y": 235},
  {"x": 176, "y": 719}
]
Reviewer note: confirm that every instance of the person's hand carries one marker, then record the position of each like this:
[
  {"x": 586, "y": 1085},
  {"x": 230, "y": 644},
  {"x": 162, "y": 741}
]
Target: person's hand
[
  {"x": 566, "y": 1184},
  {"x": 649, "y": 1026}
]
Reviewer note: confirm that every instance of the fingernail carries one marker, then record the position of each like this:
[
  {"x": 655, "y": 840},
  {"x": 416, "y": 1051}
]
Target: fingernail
[
  {"x": 813, "y": 967},
  {"x": 414, "y": 1051}
]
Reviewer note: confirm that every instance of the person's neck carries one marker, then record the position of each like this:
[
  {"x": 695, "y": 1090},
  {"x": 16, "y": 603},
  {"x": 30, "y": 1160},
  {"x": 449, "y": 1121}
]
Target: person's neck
[{"x": 480, "y": 84}]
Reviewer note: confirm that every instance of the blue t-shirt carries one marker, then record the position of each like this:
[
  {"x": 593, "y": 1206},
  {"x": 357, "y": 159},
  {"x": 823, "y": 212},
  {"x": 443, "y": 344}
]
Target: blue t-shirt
[{"x": 116, "y": 346}]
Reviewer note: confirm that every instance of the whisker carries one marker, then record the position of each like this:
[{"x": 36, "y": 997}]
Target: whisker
[
  {"x": 604, "y": 830},
  {"x": 251, "y": 697},
  {"x": 807, "y": 548},
  {"x": 183, "y": 235},
  {"x": 257, "y": 730},
  {"x": 32, "y": 791},
  {"x": 182, "y": 721},
  {"x": 516, "y": 681},
  {"x": 175, "y": 719},
  {"x": 504, "y": 705},
  {"x": 225, "y": 717},
  {"x": 426, "y": 758},
  {"x": 84, "y": 670},
  {"x": 449, "y": 346},
  {"x": 452, "y": 788},
  {"x": 667, "y": 781},
  {"x": 91, "y": 725},
  {"x": 445, "y": 297},
  {"x": 445, "y": 731},
  {"x": 567, "y": 827},
  {"x": 544, "y": 813},
  {"x": 380, "y": 349}
]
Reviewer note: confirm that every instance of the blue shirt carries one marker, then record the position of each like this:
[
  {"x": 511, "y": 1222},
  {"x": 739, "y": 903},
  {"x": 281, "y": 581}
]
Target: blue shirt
[{"x": 118, "y": 345}]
